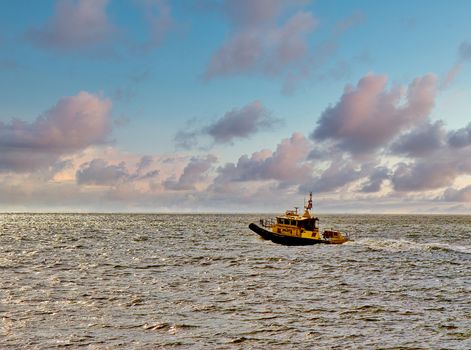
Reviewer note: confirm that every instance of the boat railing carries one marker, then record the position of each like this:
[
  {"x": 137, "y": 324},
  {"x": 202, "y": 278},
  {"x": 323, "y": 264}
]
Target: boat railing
[{"x": 267, "y": 222}]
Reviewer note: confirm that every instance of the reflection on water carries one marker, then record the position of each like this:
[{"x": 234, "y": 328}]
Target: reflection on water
[{"x": 206, "y": 281}]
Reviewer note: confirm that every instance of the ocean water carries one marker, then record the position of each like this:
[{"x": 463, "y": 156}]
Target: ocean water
[{"x": 129, "y": 281}]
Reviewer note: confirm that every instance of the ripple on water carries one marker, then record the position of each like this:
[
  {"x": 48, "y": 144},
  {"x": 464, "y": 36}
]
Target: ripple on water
[{"x": 197, "y": 281}]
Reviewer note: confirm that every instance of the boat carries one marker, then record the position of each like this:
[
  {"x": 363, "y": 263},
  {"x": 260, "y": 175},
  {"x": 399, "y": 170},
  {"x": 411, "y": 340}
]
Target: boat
[{"x": 294, "y": 228}]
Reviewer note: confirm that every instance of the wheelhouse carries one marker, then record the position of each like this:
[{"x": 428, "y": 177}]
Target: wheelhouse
[{"x": 308, "y": 224}]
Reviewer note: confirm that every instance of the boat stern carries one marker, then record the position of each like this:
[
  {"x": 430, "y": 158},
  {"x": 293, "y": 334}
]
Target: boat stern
[{"x": 335, "y": 237}]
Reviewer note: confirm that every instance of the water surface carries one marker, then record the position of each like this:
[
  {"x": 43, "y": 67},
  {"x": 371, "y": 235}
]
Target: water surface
[{"x": 205, "y": 281}]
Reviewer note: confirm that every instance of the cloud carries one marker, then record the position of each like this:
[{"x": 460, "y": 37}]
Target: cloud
[
  {"x": 99, "y": 172},
  {"x": 465, "y": 51},
  {"x": 73, "y": 124},
  {"x": 287, "y": 165},
  {"x": 239, "y": 123},
  {"x": 421, "y": 141},
  {"x": 448, "y": 157},
  {"x": 144, "y": 163},
  {"x": 323, "y": 55},
  {"x": 193, "y": 173},
  {"x": 75, "y": 25},
  {"x": 423, "y": 175},
  {"x": 158, "y": 15},
  {"x": 451, "y": 75},
  {"x": 460, "y": 138},
  {"x": 257, "y": 42},
  {"x": 337, "y": 175},
  {"x": 187, "y": 138},
  {"x": 454, "y": 195},
  {"x": 464, "y": 55},
  {"x": 271, "y": 38},
  {"x": 376, "y": 179},
  {"x": 368, "y": 116}
]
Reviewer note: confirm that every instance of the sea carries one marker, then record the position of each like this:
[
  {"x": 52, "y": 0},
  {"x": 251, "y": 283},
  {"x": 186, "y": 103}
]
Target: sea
[{"x": 168, "y": 281}]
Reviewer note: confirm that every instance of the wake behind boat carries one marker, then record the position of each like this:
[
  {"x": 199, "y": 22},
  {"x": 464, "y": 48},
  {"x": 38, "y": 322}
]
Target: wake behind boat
[{"x": 292, "y": 228}]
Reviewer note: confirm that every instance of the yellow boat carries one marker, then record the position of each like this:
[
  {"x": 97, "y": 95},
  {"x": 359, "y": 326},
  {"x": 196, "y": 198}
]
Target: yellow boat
[{"x": 292, "y": 228}]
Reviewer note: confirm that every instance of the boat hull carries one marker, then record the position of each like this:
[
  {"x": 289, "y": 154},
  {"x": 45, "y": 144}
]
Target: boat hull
[{"x": 282, "y": 239}]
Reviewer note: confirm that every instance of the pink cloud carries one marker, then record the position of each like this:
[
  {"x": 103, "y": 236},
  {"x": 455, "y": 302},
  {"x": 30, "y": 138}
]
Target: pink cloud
[
  {"x": 75, "y": 24},
  {"x": 258, "y": 42},
  {"x": 194, "y": 172},
  {"x": 73, "y": 124},
  {"x": 369, "y": 116},
  {"x": 287, "y": 164},
  {"x": 464, "y": 55},
  {"x": 451, "y": 75},
  {"x": 99, "y": 172}
]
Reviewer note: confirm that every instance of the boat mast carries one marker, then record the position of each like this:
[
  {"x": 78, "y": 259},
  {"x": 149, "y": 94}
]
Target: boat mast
[{"x": 309, "y": 202}]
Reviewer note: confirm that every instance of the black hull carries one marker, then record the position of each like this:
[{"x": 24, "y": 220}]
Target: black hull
[{"x": 285, "y": 240}]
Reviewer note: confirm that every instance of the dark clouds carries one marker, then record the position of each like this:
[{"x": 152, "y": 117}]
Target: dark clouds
[
  {"x": 438, "y": 170},
  {"x": 235, "y": 124},
  {"x": 368, "y": 116},
  {"x": 422, "y": 176},
  {"x": 73, "y": 124},
  {"x": 421, "y": 141},
  {"x": 460, "y": 138},
  {"x": 437, "y": 158},
  {"x": 375, "y": 179}
]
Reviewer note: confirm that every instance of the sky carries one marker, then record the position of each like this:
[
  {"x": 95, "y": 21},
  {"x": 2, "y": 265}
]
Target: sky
[{"x": 235, "y": 106}]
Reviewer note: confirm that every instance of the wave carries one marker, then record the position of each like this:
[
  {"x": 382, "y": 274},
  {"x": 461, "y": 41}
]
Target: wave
[{"x": 399, "y": 245}]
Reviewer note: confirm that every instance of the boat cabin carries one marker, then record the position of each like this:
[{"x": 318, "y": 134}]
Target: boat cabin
[{"x": 308, "y": 224}]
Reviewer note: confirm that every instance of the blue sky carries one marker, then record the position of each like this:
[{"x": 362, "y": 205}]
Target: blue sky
[{"x": 160, "y": 105}]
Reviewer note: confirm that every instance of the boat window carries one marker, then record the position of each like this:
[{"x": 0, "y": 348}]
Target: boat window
[
  {"x": 305, "y": 224},
  {"x": 278, "y": 220}
]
